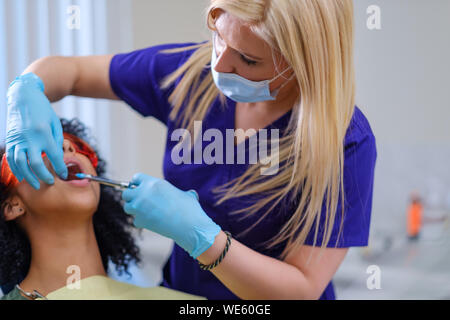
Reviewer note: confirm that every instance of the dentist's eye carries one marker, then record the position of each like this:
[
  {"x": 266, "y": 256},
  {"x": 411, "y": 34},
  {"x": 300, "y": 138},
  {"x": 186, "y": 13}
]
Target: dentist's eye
[{"x": 248, "y": 61}]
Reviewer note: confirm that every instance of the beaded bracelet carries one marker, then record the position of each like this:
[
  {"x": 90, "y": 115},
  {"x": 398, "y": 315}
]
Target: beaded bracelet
[{"x": 219, "y": 260}]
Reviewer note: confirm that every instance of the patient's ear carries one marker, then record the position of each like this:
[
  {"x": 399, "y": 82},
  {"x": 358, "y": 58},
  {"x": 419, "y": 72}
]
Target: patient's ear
[{"x": 13, "y": 208}]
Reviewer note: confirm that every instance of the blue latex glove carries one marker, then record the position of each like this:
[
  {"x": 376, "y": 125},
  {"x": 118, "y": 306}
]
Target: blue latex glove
[
  {"x": 161, "y": 207},
  {"x": 32, "y": 128}
]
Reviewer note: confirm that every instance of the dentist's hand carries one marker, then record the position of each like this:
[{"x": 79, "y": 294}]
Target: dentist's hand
[
  {"x": 32, "y": 128},
  {"x": 161, "y": 207}
]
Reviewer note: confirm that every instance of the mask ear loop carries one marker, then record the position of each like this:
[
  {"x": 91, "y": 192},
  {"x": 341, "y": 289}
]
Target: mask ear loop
[
  {"x": 281, "y": 74},
  {"x": 209, "y": 65},
  {"x": 275, "y": 92},
  {"x": 214, "y": 52}
]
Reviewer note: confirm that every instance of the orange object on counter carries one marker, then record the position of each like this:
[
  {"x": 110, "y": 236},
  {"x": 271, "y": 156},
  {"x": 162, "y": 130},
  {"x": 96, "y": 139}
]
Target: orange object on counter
[{"x": 414, "y": 218}]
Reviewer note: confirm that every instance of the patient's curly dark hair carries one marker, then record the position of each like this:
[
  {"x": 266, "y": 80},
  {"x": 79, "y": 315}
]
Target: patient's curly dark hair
[{"x": 111, "y": 224}]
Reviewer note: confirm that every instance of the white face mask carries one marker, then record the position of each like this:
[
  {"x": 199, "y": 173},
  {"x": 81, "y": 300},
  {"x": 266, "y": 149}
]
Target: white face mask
[{"x": 241, "y": 89}]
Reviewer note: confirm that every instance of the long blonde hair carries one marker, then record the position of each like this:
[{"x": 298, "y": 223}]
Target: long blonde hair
[{"x": 315, "y": 37}]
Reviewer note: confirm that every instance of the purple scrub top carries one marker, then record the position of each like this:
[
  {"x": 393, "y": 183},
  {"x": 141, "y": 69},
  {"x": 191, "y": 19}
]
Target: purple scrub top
[{"x": 135, "y": 78}]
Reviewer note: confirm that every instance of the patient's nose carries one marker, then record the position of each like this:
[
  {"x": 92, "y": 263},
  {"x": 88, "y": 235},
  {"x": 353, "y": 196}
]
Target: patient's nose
[{"x": 68, "y": 147}]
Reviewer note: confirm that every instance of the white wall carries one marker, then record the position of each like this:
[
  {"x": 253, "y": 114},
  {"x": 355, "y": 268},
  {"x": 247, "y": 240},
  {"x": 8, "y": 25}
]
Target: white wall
[
  {"x": 403, "y": 89},
  {"x": 153, "y": 23}
]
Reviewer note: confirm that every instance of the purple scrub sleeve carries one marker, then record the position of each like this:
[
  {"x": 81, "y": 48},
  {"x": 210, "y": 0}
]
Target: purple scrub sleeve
[{"x": 136, "y": 77}]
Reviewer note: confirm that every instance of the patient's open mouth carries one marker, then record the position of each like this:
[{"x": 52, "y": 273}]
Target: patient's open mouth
[{"x": 73, "y": 169}]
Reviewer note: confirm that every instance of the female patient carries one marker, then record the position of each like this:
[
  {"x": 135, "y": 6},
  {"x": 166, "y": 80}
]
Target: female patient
[{"x": 45, "y": 233}]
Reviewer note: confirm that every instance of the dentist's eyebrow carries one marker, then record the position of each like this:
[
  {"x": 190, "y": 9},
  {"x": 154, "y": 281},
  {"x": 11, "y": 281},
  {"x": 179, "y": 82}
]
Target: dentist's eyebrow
[{"x": 241, "y": 52}]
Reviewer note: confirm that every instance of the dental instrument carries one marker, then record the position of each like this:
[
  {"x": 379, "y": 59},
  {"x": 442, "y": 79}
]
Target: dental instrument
[
  {"x": 117, "y": 184},
  {"x": 107, "y": 182}
]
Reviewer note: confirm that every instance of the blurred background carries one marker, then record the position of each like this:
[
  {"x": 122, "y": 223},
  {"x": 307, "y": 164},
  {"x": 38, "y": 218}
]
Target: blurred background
[{"x": 402, "y": 51}]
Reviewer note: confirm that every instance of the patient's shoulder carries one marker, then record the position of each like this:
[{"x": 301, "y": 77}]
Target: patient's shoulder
[
  {"x": 169, "y": 294},
  {"x": 104, "y": 288}
]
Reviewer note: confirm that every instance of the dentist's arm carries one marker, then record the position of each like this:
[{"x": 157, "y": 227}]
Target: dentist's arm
[
  {"x": 252, "y": 275},
  {"x": 86, "y": 76},
  {"x": 161, "y": 207}
]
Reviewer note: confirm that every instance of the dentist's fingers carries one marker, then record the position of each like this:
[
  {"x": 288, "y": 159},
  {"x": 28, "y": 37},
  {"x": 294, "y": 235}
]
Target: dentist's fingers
[
  {"x": 57, "y": 132},
  {"x": 22, "y": 164},
  {"x": 38, "y": 166},
  {"x": 129, "y": 194},
  {"x": 194, "y": 193},
  {"x": 12, "y": 163},
  {"x": 56, "y": 157},
  {"x": 138, "y": 178},
  {"x": 55, "y": 149},
  {"x": 131, "y": 208}
]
